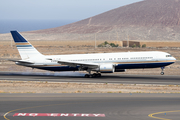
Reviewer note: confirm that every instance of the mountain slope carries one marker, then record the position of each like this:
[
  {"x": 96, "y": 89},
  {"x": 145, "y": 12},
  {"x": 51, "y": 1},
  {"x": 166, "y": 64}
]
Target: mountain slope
[{"x": 145, "y": 20}]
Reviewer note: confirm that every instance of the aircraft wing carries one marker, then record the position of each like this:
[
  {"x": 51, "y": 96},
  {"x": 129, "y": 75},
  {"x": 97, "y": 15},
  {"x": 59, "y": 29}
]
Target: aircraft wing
[{"x": 83, "y": 64}]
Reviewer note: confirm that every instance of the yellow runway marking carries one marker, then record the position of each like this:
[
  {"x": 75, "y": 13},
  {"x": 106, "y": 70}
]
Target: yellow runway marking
[{"x": 152, "y": 115}]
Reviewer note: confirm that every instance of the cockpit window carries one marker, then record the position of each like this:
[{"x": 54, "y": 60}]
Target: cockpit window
[{"x": 168, "y": 55}]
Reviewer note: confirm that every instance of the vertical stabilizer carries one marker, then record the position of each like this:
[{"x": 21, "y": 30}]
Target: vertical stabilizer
[{"x": 26, "y": 50}]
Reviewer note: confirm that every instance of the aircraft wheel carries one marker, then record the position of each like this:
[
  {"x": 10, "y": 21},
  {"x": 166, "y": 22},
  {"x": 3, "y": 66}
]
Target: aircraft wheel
[
  {"x": 99, "y": 75},
  {"x": 86, "y": 76},
  {"x": 162, "y": 73},
  {"x": 90, "y": 76},
  {"x": 94, "y": 75}
]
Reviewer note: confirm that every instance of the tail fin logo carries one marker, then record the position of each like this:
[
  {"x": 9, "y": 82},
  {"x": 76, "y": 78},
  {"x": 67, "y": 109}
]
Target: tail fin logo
[
  {"x": 17, "y": 37},
  {"x": 26, "y": 50},
  {"x": 19, "y": 40}
]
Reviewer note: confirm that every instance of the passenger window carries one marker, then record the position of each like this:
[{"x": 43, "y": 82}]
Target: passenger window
[{"x": 168, "y": 56}]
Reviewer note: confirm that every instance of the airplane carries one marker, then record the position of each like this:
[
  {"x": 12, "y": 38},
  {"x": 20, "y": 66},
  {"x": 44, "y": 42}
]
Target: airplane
[{"x": 97, "y": 63}]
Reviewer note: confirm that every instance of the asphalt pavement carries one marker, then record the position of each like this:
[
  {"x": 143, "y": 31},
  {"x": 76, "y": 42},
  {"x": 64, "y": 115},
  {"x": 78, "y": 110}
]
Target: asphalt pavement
[
  {"x": 89, "y": 106},
  {"x": 78, "y": 77}
]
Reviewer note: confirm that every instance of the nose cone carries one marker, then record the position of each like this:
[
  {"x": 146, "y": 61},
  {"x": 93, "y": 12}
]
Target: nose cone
[{"x": 174, "y": 59}]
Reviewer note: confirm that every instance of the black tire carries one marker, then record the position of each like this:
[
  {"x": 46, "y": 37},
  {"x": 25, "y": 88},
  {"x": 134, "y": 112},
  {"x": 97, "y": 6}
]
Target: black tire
[
  {"x": 99, "y": 75},
  {"x": 86, "y": 76},
  {"x": 94, "y": 75},
  {"x": 90, "y": 76},
  {"x": 162, "y": 73}
]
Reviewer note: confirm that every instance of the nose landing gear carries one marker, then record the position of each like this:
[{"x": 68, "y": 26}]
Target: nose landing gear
[{"x": 162, "y": 72}]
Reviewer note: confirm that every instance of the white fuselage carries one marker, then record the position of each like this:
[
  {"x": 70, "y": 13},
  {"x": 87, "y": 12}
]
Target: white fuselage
[{"x": 122, "y": 60}]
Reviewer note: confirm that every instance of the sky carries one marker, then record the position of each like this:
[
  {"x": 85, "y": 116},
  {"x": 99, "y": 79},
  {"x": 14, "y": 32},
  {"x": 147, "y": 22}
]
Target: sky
[{"x": 56, "y": 9}]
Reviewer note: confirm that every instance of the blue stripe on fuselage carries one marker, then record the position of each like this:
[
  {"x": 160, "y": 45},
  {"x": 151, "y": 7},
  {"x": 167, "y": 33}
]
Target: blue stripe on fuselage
[
  {"x": 119, "y": 66},
  {"x": 58, "y": 68},
  {"x": 142, "y": 65}
]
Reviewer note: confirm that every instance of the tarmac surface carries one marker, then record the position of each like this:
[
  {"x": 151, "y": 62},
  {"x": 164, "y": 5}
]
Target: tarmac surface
[
  {"x": 83, "y": 106},
  {"x": 79, "y": 77}
]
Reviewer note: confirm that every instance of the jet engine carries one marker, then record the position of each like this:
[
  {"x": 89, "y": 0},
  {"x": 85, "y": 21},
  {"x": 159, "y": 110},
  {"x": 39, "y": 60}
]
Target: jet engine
[{"x": 106, "y": 68}]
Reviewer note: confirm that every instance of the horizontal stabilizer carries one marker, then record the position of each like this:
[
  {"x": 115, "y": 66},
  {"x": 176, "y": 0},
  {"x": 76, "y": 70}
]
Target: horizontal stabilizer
[{"x": 22, "y": 61}]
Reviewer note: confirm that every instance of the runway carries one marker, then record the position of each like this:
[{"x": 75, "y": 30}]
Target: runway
[
  {"x": 106, "y": 78},
  {"x": 81, "y": 106}
]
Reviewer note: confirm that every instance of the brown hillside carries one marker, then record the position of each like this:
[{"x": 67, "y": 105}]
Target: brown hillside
[
  {"x": 145, "y": 20},
  {"x": 148, "y": 13}
]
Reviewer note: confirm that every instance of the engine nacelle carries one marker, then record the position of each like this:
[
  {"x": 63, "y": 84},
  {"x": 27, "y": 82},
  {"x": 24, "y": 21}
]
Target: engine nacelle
[{"x": 106, "y": 68}]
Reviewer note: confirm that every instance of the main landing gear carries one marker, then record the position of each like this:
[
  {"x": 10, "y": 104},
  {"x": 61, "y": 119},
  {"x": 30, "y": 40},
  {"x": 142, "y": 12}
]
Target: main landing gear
[
  {"x": 92, "y": 75},
  {"x": 162, "y": 68}
]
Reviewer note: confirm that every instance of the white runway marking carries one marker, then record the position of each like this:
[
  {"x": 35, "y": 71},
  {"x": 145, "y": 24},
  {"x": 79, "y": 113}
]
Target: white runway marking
[{"x": 59, "y": 114}]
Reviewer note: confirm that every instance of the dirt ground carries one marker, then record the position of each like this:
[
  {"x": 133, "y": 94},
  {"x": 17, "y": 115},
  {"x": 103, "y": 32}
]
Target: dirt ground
[{"x": 50, "y": 87}]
